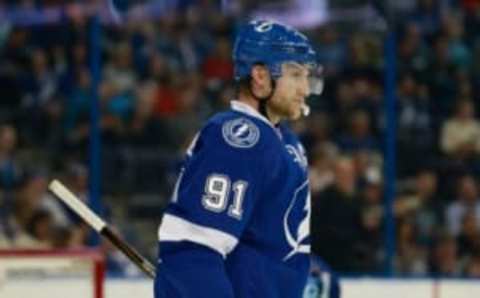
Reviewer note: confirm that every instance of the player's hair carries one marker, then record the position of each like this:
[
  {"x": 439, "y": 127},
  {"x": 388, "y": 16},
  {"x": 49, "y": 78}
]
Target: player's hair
[{"x": 242, "y": 86}]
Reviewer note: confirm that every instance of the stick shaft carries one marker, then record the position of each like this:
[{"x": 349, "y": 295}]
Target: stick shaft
[
  {"x": 131, "y": 253},
  {"x": 99, "y": 225}
]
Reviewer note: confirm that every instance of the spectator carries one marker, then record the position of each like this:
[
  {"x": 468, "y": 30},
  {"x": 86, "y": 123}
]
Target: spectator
[
  {"x": 367, "y": 97},
  {"x": 77, "y": 105},
  {"x": 331, "y": 51},
  {"x": 416, "y": 135},
  {"x": 411, "y": 257},
  {"x": 321, "y": 167},
  {"x": 461, "y": 134},
  {"x": 119, "y": 72},
  {"x": 192, "y": 107},
  {"x": 427, "y": 16},
  {"x": 412, "y": 52},
  {"x": 429, "y": 215},
  {"x": 27, "y": 201},
  {"x": 77, "y": 60},
  {"x": 467, "y": 200},
  {"x": 423, "y": 206},
  {"x": 359, "y": 135},
  {"x": 218, "y": 66},
  {"x": 468, "y": 240},
  {"x": 316, "y": 130},
  {"x": 40, "y": 228},
  {"x": 372, "y": 218},
  {"x": 167, "y": 95},
  {"x": 473, "y": 266},
  {"x": 368, "y": 167},
  {"x": 10, "y": 168},
  {"x": 363, "y": 53},
  {"x": 145, "y": 130},
  {"x": 458, "y": 51},
  {"x": 444, "y": 261},
  {"x": 336, "y": 221},
  {"x": 42, "y": 83},
  {"x": 439, "y": 76}
]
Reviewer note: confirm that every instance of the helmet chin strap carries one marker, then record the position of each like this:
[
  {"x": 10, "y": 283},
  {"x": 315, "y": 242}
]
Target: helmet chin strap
[{"x": 262, "y": 101}]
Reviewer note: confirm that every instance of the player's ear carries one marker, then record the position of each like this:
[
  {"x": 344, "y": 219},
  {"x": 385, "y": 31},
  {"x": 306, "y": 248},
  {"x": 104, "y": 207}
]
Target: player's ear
[{"x": 260, "y": 79}]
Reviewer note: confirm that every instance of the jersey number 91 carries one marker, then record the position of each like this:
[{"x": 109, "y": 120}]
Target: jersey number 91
[{"x": 218, "y": 189}]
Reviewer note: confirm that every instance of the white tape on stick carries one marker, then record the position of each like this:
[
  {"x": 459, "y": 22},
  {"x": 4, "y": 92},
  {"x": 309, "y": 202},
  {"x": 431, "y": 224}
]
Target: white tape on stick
[{"x": 76, "y": 205}]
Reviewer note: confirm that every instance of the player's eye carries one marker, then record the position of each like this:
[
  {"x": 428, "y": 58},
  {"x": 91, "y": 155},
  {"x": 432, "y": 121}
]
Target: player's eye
[{"x": 297, "y": 74}]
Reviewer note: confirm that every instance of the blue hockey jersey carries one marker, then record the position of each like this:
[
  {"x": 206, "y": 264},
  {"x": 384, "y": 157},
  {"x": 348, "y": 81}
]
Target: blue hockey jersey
[{"x": 238, "y": 222}]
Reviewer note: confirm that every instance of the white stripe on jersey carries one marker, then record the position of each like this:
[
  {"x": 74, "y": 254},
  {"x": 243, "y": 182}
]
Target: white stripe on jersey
[{"x": 174, "y": 228}]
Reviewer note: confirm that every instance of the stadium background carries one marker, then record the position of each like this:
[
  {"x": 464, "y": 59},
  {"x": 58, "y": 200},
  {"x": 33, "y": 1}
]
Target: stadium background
[{"x": 108, "y": 102}]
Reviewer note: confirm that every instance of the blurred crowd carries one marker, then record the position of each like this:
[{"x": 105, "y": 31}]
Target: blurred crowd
[
  {"x": 437, "y": 202},
  {"x": 161, "y": 79}
]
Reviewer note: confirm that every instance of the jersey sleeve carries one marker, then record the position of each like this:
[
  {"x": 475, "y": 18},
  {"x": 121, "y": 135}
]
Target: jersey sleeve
[
  {"x": 190, "y": 270},
  {"x": 218, "y": 187}
]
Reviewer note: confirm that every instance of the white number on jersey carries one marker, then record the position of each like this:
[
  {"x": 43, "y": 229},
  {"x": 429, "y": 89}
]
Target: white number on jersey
[
  {"x": 217, "y": 193},
  {"x": 236, "y": 209}
]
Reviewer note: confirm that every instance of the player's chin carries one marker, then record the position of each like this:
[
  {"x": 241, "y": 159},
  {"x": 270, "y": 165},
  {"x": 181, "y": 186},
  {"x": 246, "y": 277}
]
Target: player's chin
[{"x": 295, "y": 114}]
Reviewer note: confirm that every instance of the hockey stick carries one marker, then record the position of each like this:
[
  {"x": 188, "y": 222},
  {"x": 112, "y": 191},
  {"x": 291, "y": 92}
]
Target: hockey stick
[{"x": 100, "y": 226}]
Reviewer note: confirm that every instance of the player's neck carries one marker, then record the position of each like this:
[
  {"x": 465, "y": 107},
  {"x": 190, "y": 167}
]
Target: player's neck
[{"x": 272, "y": 117}]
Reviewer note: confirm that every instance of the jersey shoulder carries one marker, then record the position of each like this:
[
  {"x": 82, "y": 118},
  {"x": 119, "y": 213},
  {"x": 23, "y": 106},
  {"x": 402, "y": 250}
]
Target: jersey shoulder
[
  {"x": 288, "y": 134},
  {"x": 239, "y": 132},
  {"x": 291, "y": 138}
]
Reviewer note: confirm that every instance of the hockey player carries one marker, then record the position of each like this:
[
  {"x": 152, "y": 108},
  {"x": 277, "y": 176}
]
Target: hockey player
[{"x": 238, "y": 222}]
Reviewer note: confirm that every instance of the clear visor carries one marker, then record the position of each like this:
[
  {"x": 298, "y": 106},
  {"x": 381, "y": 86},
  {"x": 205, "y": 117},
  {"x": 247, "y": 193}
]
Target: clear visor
[
  {"x": 314, "y": 72},
  {"x": 316, "y": 79}
]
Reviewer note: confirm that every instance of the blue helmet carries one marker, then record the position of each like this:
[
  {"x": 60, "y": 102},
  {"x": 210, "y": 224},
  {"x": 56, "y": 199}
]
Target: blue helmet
[{"x": 271, "y": 44}]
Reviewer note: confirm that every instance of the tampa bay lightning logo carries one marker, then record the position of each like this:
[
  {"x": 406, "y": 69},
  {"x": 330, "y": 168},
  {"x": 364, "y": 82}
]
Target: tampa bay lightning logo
[
  {"x": 241, "y": 133},
  {"x": 296, "y": 222}
]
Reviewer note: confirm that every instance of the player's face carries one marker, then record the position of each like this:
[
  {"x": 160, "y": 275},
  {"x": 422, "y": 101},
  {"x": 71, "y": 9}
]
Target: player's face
[{"x": 291, "y": 90}]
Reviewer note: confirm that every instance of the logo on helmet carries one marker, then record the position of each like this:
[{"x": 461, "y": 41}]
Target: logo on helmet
[{"x": 263, "y": 26}]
